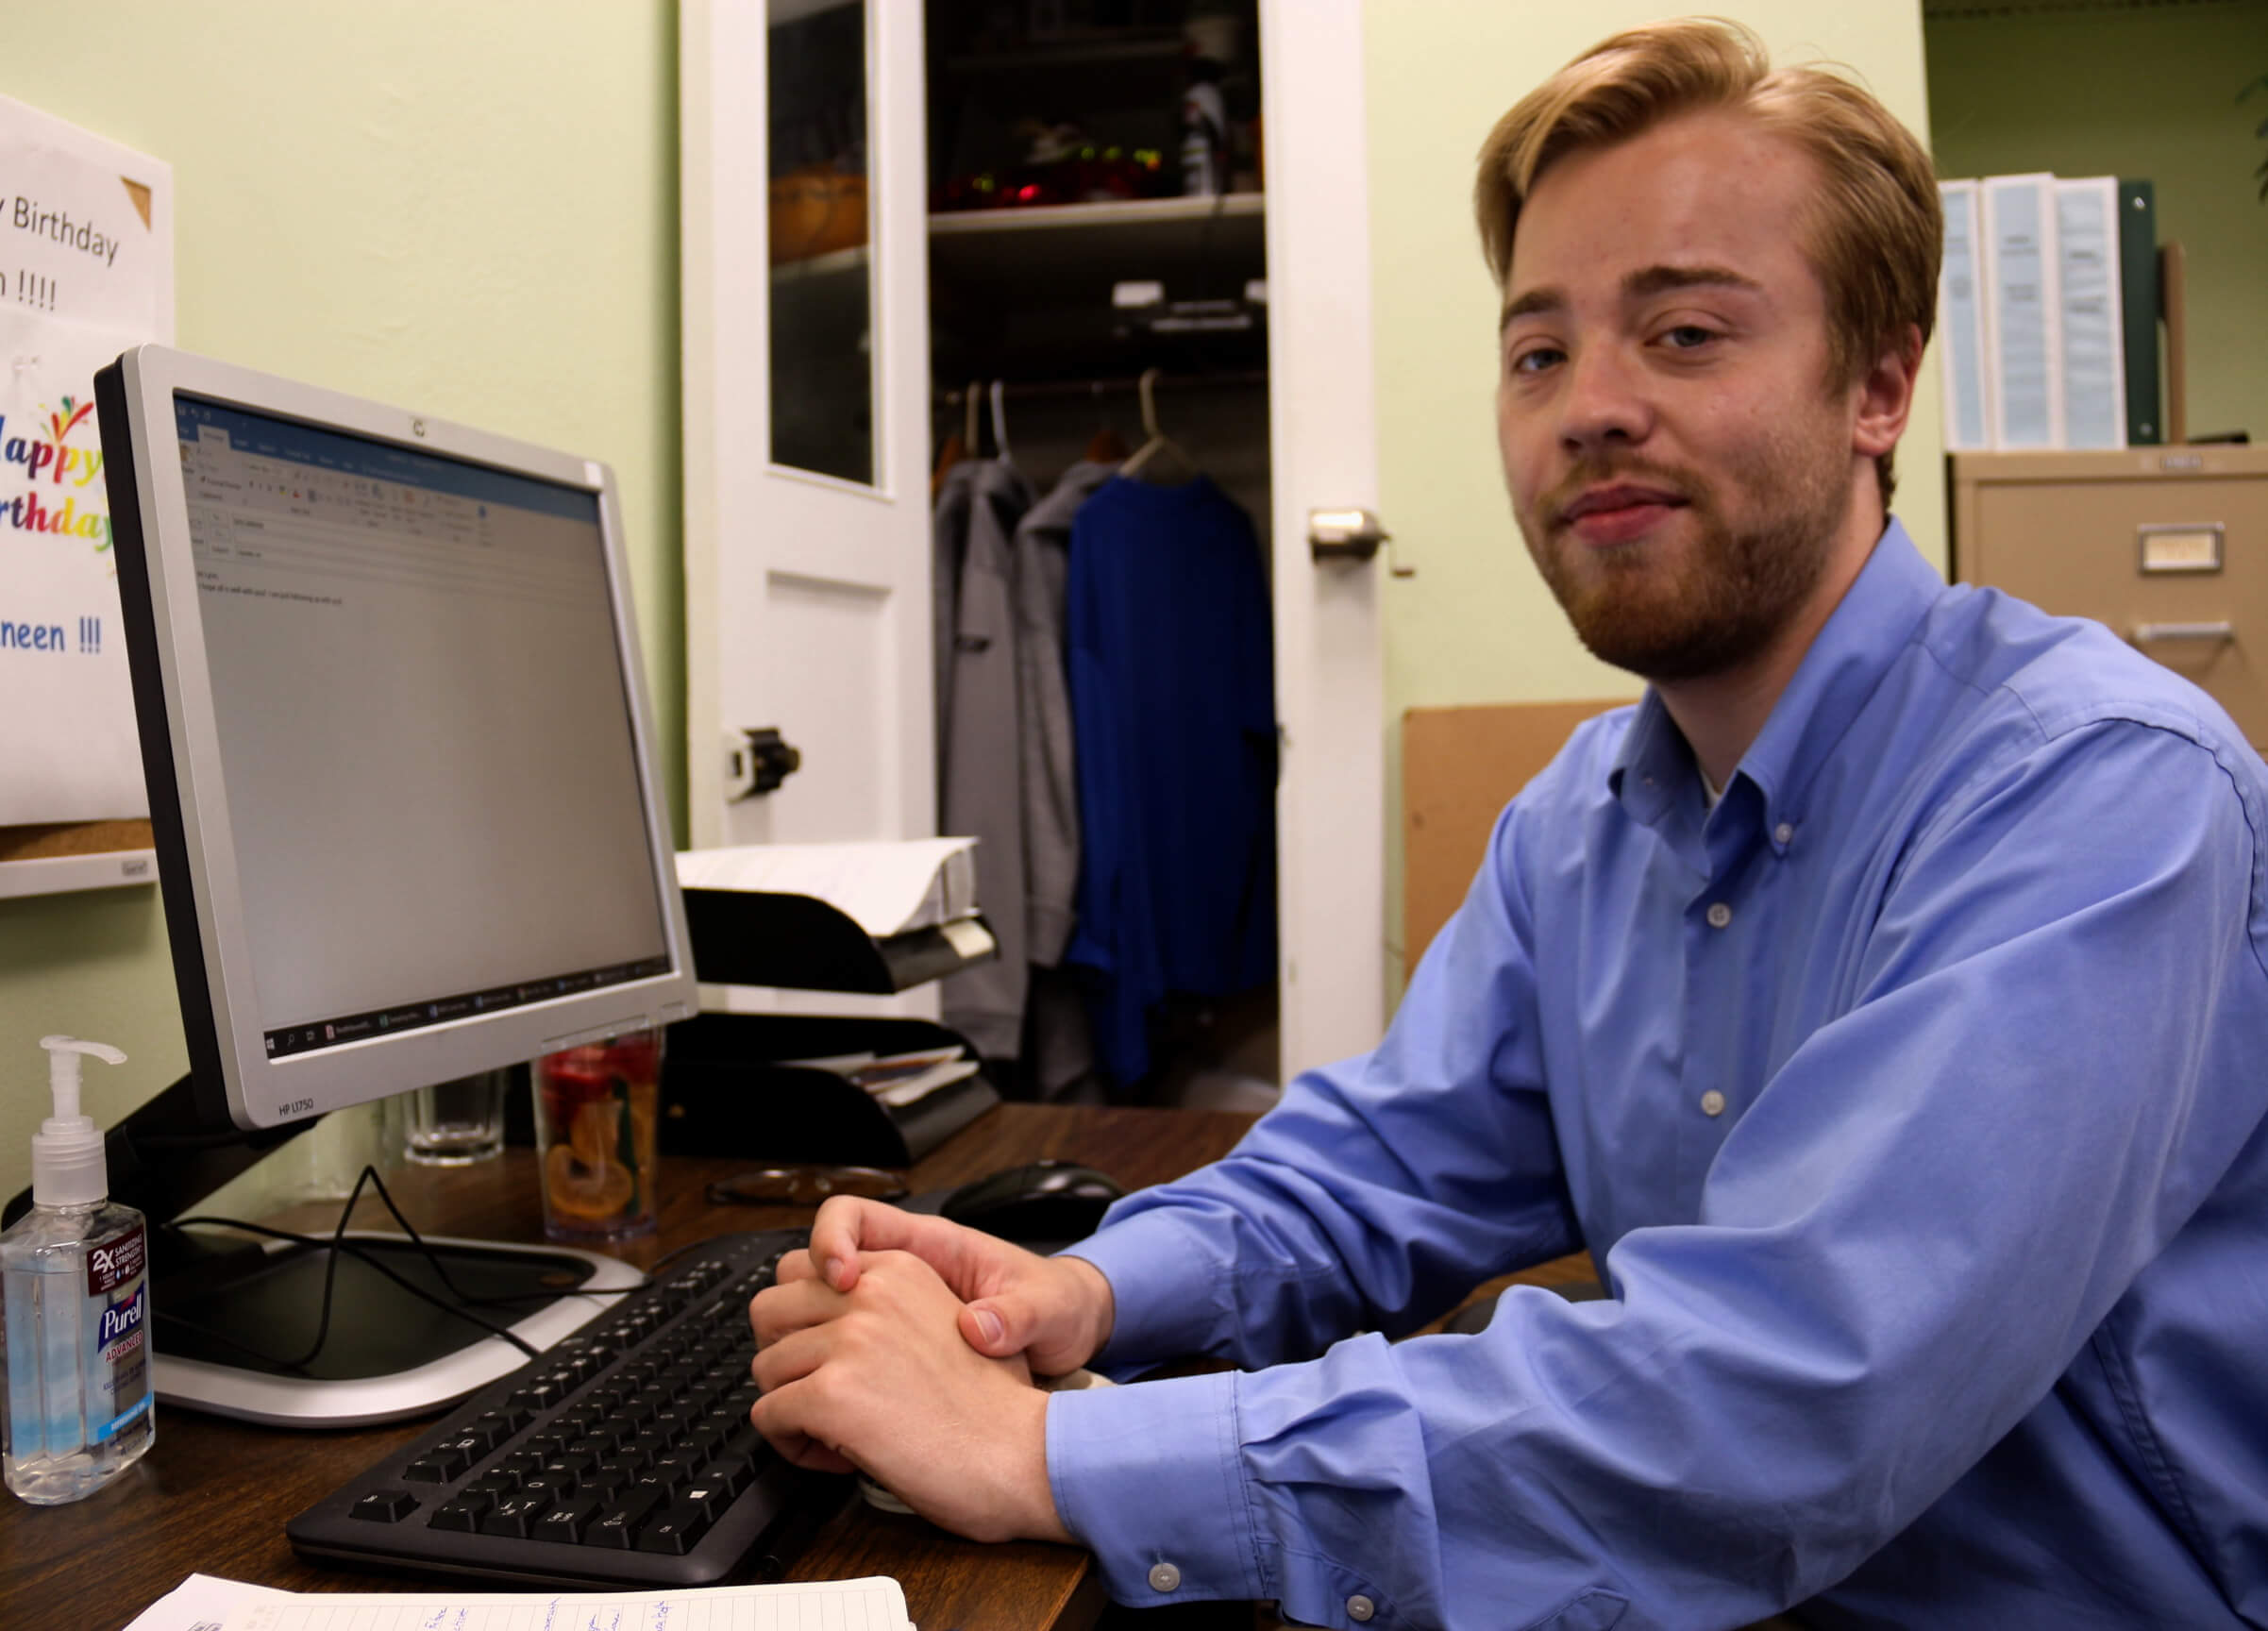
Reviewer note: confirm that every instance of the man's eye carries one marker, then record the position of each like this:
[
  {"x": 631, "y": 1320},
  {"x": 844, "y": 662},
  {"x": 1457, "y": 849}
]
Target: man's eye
[
  {"x": 1688, "y": 337},
  {"x": 1534, "y": 359}
]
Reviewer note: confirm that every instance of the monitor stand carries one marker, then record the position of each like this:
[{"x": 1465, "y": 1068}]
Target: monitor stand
[
  {"x": 220, "y": 1302},
  {"x": 221, "y": 1326}
]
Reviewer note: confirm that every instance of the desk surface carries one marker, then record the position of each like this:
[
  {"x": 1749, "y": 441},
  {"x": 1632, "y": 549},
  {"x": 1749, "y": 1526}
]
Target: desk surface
[{"x": 211, "y": 1496}]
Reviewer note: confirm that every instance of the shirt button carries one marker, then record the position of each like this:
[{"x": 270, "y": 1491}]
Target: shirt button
[
  {"x": 1360, "y": 1608},
  {"x": 1782, "y": 833},
  {"x": 1720, "y": 915},
  {"x": 1712, "y": 1103},
  {"x": 1164, "y": 1577}
]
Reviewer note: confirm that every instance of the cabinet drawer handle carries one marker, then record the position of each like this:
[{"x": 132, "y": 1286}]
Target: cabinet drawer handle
[{"x": 2144, "y": 633}]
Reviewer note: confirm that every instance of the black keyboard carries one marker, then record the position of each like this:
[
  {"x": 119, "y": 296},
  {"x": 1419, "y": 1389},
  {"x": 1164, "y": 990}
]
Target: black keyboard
[{"x": 622, "y": 1455}]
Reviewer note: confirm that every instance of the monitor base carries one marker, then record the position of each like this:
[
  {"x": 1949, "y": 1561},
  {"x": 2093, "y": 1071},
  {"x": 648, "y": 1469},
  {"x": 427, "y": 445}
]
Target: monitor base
[{"x": 388, "y": 1353}]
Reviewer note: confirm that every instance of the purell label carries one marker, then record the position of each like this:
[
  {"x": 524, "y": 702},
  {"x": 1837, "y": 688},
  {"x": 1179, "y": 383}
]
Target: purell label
[
  {"x": 115, "y": 1263},
  {"x": 120, "y": 1321}
]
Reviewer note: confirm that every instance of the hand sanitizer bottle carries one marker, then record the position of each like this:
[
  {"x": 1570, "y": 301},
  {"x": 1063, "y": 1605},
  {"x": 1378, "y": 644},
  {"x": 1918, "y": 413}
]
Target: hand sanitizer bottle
[{"x": 78, "y": 1355}]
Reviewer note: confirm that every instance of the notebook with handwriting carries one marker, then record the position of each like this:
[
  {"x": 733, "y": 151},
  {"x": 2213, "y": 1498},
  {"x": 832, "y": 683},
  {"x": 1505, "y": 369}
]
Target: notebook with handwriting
[{"x": 203, "y": 1602}]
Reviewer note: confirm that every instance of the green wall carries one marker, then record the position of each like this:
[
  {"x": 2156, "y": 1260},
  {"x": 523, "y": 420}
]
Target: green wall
[
  {"x": 468, "y": 209},
  {"x": 1476, "y": 623},
  {"x": 2148, "y": 93}
]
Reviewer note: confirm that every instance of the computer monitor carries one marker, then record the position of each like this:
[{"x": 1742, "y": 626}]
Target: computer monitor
[{"x": 399, "y": 756}]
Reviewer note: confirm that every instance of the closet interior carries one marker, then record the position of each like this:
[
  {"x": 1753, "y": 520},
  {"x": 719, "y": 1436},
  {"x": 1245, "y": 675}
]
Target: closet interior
[{"x": 1097, "y": 315}]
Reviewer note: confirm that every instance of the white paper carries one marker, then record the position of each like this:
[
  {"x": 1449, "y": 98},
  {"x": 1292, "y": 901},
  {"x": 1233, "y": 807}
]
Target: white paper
[
  {"x": 870, "y": 1605},
  {"x": 200, "y": 1603},
  {"x": 881, "y": 886},
  {"x": 82, "y": 276}
]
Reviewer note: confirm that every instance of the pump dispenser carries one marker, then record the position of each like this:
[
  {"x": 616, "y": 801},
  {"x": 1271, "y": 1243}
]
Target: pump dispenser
[
  {"x": 66, "y": 1152},
  {"x": 77, "y": 1301}
]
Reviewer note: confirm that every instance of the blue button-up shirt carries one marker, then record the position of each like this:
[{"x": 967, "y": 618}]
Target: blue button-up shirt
[{"x": 1911, "y": 1100}]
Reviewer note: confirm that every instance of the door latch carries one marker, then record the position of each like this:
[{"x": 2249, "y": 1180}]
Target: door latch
[
  {"x": 758, "y": 762},
  {"x": 1351, "y": 536}
]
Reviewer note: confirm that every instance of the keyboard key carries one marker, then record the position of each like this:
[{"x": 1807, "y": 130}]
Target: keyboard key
[
  {"x": 707, "y": 1495},
  {"x": 513, "y": 1514},
  {"x": 673, "y": 1467},
  {"x": 619, "y": 1525},
  {"x": 567, "y": 1521},
  {"x": 462, "y": 1514},
  {"x": 491, "y": 1427},
  {"x": 384, "y": 1506},
  {"x": 676, "y": 1529},
  {"x": 427, "y": 1471}
]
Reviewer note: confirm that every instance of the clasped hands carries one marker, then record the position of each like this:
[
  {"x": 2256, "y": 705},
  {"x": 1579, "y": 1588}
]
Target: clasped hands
[{"x": 903, "y": 1347}]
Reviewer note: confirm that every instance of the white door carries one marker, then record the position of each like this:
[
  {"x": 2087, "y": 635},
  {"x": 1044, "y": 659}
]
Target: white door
[
  {"x": 806, "y": 379},
  {"x": 1323, "y": 452},
  {"x": 807, "y": 595}
]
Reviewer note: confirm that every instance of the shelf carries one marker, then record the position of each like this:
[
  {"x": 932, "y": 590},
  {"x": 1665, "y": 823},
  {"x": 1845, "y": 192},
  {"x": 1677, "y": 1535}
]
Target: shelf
[
  {"x": 1134, "y": 215},
  {"x": 1027, "y": 292},
  {"x": 833, "y": 265},
  {"x": 64, "y": 874}
]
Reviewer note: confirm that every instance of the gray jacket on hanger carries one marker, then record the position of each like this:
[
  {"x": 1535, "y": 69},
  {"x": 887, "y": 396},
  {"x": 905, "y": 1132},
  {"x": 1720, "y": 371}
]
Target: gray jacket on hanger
[
  {"x": 1050, "y": 777},
  {"x": 979, "y": 788}
]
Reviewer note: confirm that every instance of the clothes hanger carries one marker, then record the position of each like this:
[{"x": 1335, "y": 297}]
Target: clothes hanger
[
  {"x": 1106, "y": 447},
  {"x": 1159, "y": 441},
  {"x": 957, "y": 447},
  {"x": 999, "y": 421}
]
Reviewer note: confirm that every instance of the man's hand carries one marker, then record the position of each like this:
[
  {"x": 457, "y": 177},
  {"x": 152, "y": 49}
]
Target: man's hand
[
  {"x": 1056, "y": 1311},
  {"x": 878, "y": 1378}
]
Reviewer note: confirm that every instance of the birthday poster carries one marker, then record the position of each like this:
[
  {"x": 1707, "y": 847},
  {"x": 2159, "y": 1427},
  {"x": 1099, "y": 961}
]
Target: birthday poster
[{"x": 86, "y": 272}]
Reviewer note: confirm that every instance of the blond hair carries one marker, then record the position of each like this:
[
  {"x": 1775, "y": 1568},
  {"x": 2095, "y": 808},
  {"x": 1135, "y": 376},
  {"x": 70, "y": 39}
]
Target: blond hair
[{"x": 1876, "y": 231}]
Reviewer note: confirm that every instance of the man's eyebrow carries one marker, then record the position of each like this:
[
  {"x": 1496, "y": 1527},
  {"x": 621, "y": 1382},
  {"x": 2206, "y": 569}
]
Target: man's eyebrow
[
  {"x": 1662, "y": 279},
  {"x": 1535, "y": 300},
  {"x": 1638, "y": 286}
]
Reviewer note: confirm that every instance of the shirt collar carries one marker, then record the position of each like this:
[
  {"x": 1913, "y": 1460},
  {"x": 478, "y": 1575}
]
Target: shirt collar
[{"x": 1848, "y": 659}]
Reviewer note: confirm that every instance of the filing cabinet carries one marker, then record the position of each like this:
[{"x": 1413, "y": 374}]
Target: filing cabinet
[{"x": 2166, "y": 545}]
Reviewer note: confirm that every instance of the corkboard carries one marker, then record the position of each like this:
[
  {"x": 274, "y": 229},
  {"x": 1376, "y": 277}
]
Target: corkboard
[
  {"x": 1460, "y": 766},
  {"x": 61, "y": 838}
]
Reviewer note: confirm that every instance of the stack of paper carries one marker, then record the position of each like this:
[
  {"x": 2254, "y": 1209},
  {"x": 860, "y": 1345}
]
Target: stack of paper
[
  {"x": 886, "y": 888},
  {"x": 203, "y": 1602},
  {"x": 897, "y": 1080}
]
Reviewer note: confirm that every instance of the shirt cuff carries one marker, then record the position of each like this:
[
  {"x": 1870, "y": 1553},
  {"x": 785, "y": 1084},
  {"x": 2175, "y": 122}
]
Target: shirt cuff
[
  {"x": 1165, "y": 1303},
  {"x": 1150, "y": 1477}
]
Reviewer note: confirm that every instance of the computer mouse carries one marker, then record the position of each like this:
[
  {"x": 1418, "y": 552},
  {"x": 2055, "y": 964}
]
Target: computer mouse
[{"x": 1042, "y": 1201}]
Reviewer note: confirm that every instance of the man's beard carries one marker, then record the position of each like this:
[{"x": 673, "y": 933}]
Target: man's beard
[{"x": 1724, "y": 600}]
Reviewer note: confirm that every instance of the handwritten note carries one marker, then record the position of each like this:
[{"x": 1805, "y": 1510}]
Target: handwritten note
[{"x": 203, "y": 1602}]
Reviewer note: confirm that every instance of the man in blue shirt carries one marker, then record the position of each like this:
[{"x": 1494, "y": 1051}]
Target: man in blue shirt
[{"x": 1883, "y": 1001}]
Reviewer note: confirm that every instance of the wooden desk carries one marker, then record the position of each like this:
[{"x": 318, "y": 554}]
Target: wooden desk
[{"x": 211, "y": 1496}]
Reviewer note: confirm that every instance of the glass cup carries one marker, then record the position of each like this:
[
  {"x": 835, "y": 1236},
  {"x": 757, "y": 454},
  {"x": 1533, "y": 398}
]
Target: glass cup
[
  {"x": 596, "y": 1114},
  {"x": 456, "y": 1123}
]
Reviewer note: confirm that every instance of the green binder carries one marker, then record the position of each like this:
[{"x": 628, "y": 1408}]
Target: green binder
[{"x": 2138, "y": 296}]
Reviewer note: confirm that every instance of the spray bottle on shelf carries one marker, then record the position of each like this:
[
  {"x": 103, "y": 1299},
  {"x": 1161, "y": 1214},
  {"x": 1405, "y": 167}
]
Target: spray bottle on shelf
[{"x": 78, "y": 1356}]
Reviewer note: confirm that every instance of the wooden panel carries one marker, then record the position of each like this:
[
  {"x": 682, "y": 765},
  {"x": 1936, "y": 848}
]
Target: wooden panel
[{"x": 1460, "y": 766}]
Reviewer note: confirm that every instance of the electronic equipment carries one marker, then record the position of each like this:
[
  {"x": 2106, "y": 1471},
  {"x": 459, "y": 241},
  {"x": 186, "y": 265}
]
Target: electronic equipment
[
  {"x": 1042, "y": 1203},
  {"x": 622, "y": 1457},
  {"x": 401, "y": 777}
]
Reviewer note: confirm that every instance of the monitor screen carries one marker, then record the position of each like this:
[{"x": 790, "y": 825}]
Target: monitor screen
[{"x": 404, "y": 751}]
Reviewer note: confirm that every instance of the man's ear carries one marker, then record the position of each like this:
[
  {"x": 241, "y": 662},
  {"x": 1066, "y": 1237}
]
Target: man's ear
[{"x": 1886, "y": 396}]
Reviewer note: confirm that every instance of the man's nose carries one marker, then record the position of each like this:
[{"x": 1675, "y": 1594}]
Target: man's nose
[{"x": 1605, "y": 403}]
